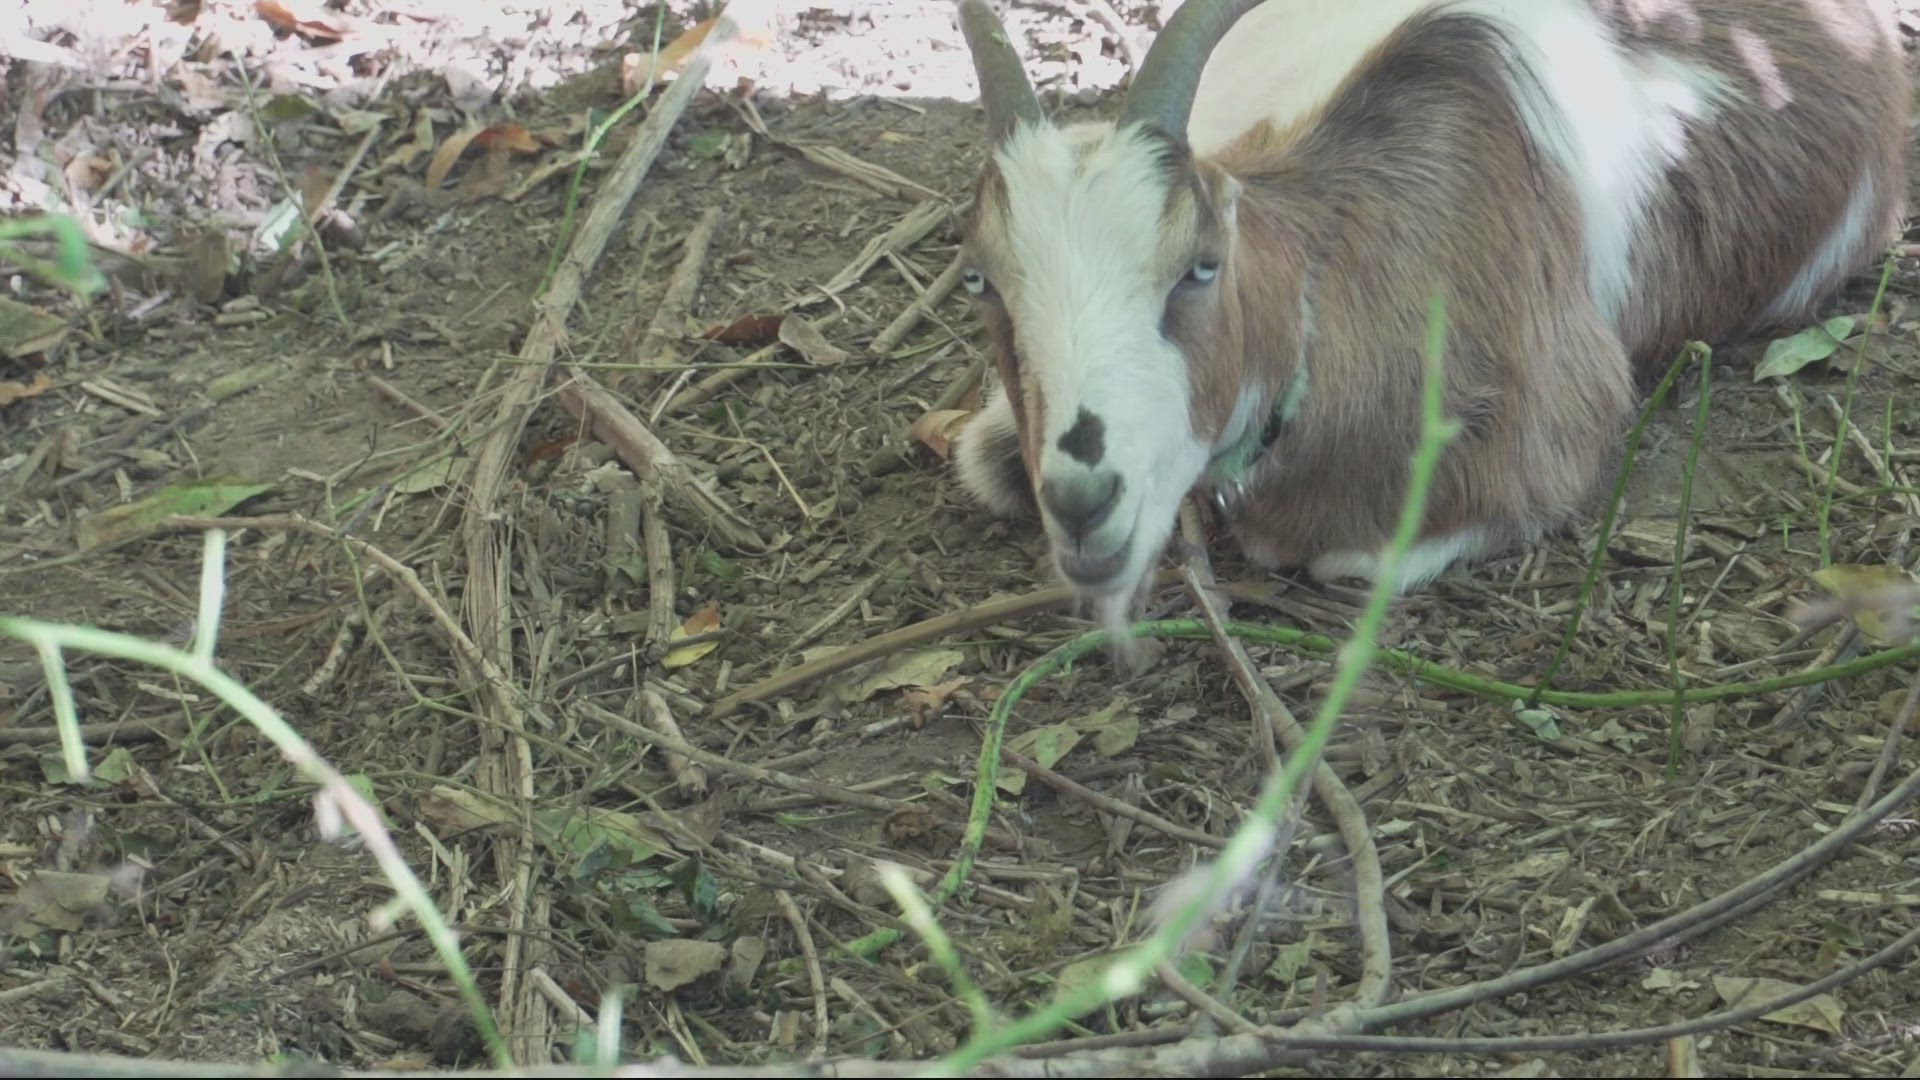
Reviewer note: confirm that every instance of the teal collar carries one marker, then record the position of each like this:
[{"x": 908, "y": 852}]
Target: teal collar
[{"x": 1227, "y": 471}]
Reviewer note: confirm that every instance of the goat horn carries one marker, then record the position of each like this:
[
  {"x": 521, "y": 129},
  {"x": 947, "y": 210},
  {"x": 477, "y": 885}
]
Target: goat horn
[
  {"x": 1163, "y": 88},
  {"x": 1004, "y": 88}
]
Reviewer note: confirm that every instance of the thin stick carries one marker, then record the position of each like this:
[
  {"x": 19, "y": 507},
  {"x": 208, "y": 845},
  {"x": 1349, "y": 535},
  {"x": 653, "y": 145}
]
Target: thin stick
[
  {"x": 956, "y": 622},
  {"x": 659, "y": 344},
  {"x": 825, "y": 792},
  {"x": 690, "y": 778},
  {"x": 937, "y": 290},
  {"x": 486, "y": 600},
  {"x": 647, "y": 456},
  {"x": 659, "y": 551},
  {"x": 804, "y": 935},
  {"x": 1108, "y": 804}
]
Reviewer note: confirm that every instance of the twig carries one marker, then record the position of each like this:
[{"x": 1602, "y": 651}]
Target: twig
[
  {"x": 896, "y": 331},
  {"x": 1109, "y": 804},
  {"x": 659, "y": 551},
  {"x": 647, "y": 456},
  {"x": 1872, "y": 454},
  {"x": 1890, "y": 749},
  {"x": 691, "y": 779},
  {"x": 486, "y": 600},
  {"x": 1272, "y": 718},
  {"x": 658, "y": 344},
  {"x": 956, "y": 622},
  {"x": 908, "y": 231},
  {"x": 721, "y": 378},
  {"x": 804, "y": 936},
  {"x": 399, "y": 397},
  {"x": 825, "y": 792},
  {"x": 1206, "y": 1003}
]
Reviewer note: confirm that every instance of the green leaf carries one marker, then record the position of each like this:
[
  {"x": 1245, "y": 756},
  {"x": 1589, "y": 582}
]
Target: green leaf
[
  {"x": 283, "y": 107},
  {"x": 720, "y": 567},
  {"x": 201, "y": 498},
  {"x": 1814, "y": 344},
  {"x": 115, "y": 767}
]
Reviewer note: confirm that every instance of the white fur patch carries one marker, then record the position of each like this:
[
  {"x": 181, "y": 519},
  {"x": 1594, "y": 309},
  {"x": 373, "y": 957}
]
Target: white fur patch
[
  {"x": 1833, "y": 258},
  {"x": 1283, "y": 59},
  {"x": 1423, "y": 562},
  {"x": 1613, "y": 121},
  {"x": 1083, "y": 204}
]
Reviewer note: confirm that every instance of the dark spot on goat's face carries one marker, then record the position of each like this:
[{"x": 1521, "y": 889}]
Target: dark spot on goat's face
[{"x": 1086, "y": 440}]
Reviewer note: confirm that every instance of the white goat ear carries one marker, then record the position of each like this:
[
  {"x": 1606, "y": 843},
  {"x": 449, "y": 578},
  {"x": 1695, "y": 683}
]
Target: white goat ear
[{"x": 986, "y": 454}]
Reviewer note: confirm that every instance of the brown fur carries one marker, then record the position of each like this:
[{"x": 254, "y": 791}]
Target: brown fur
[{"x": 1419, "y": 176}]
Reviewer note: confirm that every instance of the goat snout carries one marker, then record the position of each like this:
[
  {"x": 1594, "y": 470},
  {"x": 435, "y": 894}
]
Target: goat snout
[{"x": 1081, "y": 503}]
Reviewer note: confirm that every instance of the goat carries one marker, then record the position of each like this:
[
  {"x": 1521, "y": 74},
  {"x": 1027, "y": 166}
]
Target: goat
[{"x": 1227, "y": 288}]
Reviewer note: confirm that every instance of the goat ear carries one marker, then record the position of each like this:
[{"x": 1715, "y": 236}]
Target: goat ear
[{"x": 988, "y": 458}]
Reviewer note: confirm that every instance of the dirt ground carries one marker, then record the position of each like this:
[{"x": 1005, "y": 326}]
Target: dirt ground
[{"x": 185, "y": 905}]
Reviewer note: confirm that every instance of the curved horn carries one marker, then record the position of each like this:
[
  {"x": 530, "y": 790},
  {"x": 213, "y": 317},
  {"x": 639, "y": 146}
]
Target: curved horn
[
  {"x": 1004, "y": 88},
  {"x": 1162, "y": 91}
]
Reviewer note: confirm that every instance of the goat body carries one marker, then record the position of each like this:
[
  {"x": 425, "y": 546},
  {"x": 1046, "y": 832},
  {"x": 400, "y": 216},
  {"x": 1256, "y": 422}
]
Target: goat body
[{"x": 1243, "y": 301}]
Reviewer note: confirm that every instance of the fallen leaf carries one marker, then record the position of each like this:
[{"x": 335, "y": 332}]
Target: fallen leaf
[
  {"x": 706, "y": 620},
  {"x": 638, "y": 69},
  {"x": 906, "y": 669},
  {"x": 510, "y": 137},
  {"x": 449, "y": 152},
  {"x": 1045, "y": 745},
  {"x": 315, "y": 183},
  {"x": 1815, "y": 343},
  {"x": 1879, "y": 599},
  {"x": 745, "y": 955},
  {"x": 1820, "y": 1012},
  {"x": 930, "y": 699},
  {"x": 202, "y": 498},
  {"x": 437, "y": 473},
  {"x": 576, "y": 832},
  {"x": 937, "y": 429},
  {"x": 1114, "y": 728},
  {"x": 26, "y": 330},
  {"x": 204, "y": 270},
  {"x": 806, "y": 339},
  {"x": 751, "y": 331},
  {"x": 310, "y": 23},
  {"x": 676, "y": 962},
  {"x": 61, "y": 901},
  {"x": 11, "y": 392}
]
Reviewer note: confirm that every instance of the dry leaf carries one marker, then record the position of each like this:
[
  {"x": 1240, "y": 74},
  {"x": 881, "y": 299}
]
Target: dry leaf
[
  {"x": 636, "y": 69},
  {"x": 937, "y": 430},
  {"x": 449, "y": 152},
  {"x": 312, "y": 22},
  {"x": 1045, "y": 745},
  {"x": 1820, "y": 1012},
  {"x": 26, "y": 330},
  {"x": 930, "y": 699},
  {"x": 510, "y": 137},
  {"x": 315, "y": 182},
  {"x": 11, "y": 392},
  {"x": 1879, "y": 599},
  {"x": 706, "y": 620},
  {"x": 751, "y": 331},
  {"x": 806, "y": 339},
  {"x": 204, "y": 270},
  {"x": 676, "y": 962},
  {"x": 906, "y": 669}
]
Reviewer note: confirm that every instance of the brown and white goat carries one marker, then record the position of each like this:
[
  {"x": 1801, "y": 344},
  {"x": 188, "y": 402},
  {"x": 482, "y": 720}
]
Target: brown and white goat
[{"x": 1228, "y": 287}]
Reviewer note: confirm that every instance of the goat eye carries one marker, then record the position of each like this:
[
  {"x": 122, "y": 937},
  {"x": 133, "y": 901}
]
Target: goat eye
[
  {"x": 975, "y": 281},
  {"x": 1203, "y": 271}
]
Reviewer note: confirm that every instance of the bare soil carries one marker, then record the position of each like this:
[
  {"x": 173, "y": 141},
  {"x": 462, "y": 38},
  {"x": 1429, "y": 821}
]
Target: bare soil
[{"x": 184, "y": 905}]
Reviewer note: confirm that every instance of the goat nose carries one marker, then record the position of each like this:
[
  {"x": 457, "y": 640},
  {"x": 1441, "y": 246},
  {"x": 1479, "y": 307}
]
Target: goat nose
[{"x": 1081, "y": 503}]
